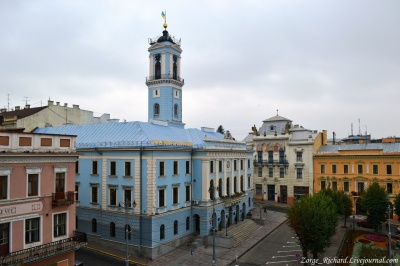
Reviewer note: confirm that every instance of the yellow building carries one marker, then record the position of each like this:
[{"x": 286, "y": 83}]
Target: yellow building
[{"x": 353, "y": 167}]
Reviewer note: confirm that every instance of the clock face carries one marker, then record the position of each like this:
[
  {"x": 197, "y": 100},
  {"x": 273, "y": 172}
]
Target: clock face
[{"x": 228, "y": 164}]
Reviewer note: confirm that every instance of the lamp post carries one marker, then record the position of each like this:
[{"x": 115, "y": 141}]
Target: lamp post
[
  {"x": 126, "y": 205},
  {"x": 214, "y": 221},
  {"x": 354, "y": 217}
]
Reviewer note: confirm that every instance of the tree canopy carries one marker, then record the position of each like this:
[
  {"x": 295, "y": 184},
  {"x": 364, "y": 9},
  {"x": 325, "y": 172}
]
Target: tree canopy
[
  {"x": 343, "y": 203},
  {"x": 397, "y": 206},
  {"x": 314, "y": 220},
  {"x": 375, "y": 202}
]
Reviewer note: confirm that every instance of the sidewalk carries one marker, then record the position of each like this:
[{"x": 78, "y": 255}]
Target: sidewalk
[{"x": 203, "y": 255}]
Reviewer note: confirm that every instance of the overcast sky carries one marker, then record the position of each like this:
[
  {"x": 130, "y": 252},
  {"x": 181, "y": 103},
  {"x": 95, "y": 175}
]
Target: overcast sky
[{"x": 322, "y": 64}]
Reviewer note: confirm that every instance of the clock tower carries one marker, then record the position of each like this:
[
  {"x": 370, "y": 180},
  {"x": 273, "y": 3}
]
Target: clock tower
[{"x": 164, "y": 81}]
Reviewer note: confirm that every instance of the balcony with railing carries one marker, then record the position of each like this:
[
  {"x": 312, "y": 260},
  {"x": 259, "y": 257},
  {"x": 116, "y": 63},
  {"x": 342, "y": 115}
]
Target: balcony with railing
[
  {"x": 45, "y": 251},
  {"x": 63, "y": 198},
  {"x": 270, "y": 162},
  {"x": 165, "y": 78}
]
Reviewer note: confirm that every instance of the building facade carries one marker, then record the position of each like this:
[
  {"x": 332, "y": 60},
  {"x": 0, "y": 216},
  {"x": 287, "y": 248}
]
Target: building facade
[
  {"x": 37, "y": 210},
  {"x": 155, "y": 185},
  {"x": 353, "y": 167},
  {"x": 30, "y": 118},
  {"x": 283, "y": 164}
]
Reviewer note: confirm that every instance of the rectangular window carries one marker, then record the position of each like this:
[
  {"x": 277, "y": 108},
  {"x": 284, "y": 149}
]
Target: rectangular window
[
  {"x": 60, "y": 224},
  {"x": 187, "y": 193},
  {"x": 176, "y": 168},
  {"x": 345, "y": 169},
  {"x": 94, "y": 194},
  {"x": 389, "y": 188},
  {"x": 211, "y": 166},
  {"x": 33, "y": 185},
  {"x": 4, "y": 187},
  {"x": 77, "y": 167},
  {"x": 360, "y": 168},
  {"x": 322, "y": 169},
  {"x": 161, "y": 198},
  {"x": 234, "y": 165},
  {"x": 76, "y": 191},
  {"x": 334, "y": 185},
  {"x": 175, "y": 195},
  {"x": 375, "y": 169},
  {"x": 360, "y": 186},
  {"x": 32, "y": 230},
  {"x": 323, "y": 185},
  {"x": 270, "y": 156},
  {"x": 187, "y": 167},
  {"x": 299, "y": 173},
  {"x": 113, "y": 168},
  {"x": 258, "y": 189},
  {"x": 259, "y": 171},
  {"x": 248, "y": 163},
  {"x": 128, "y": 170},
  {"x": 388, "y": 169},
  {"x": 334, "y": 169},
  {"x": 128, "y": 196},
  {"x": 270, "y": 172},
  {"x": 60, "y": 182},
  {"x": 113, "y": 196},
  {"x": 281, "y": 172},
  {"x": 299, "y": 156},
  {"x": 94, "y": 168},
  {"x": 162, "y": 168},
  {"x": 241, "y": 164},
  {"x": 220, "y": 164},
  {"x": 346, "y": 186}
]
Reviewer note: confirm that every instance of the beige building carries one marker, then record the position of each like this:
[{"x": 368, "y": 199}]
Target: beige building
[
  {"x": 50, "y": 115},
  {"x": 283, "y": 159}
]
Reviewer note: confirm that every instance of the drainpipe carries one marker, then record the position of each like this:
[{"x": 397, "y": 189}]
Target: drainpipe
[{"x": 141, "y": 198}]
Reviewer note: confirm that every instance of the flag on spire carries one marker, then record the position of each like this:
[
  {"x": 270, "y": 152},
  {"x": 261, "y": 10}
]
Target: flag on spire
[{"x": 163, "y": 15}]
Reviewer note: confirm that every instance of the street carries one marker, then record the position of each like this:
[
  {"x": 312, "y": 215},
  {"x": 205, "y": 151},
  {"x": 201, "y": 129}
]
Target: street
[{"x": 93, "y": 258}]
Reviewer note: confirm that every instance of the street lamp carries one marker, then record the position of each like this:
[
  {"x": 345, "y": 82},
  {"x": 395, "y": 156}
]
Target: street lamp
[
  {"x": 214, "y": 221},
  {"x": 126, "y": 205},
  {"x": 354, "y": 217}
]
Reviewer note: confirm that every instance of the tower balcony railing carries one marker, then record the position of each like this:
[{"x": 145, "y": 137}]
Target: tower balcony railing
[
  {"x": 63, "y": 198},
  {"x": 163, "y": 77},
  {"x": 45, "y": 251},
  {"x": 269, "y": 162}
]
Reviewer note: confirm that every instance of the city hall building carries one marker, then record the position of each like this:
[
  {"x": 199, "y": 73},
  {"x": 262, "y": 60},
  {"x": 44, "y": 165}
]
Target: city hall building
[{"x": 154, "y": 185}]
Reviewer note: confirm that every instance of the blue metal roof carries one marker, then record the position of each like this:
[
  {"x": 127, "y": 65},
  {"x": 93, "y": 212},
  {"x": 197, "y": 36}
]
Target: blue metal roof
[
  {"x": 385, "y": 147},
  {"x": 132, "y": 134}
]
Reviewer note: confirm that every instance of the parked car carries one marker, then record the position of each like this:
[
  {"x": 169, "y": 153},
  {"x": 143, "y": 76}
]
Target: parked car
[{"x": 364, "y": 223}]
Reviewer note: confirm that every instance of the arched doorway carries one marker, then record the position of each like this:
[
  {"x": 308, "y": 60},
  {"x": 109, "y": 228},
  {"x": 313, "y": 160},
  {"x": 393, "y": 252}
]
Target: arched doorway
[
  {"x": 230, "y": 216},
  {"x": 223, "y": 219},
  {"x": 244, "y": 210},
  {"x": 196, "y": 218}
]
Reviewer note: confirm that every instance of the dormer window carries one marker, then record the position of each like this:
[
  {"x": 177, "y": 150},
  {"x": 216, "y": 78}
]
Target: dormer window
[{"x": 272, "y": 128}]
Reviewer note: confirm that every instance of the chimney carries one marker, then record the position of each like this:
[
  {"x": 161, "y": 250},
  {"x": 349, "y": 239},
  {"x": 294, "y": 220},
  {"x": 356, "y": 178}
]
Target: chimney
[
  {"x": 17, "y": 108},
  {"x": 324, "y": 137},
  {"x": 50, "y": 103},
  {"x": 27, "y": 106},
  {"x": 58, "y": 103},
  {"x": 75, "y": 106}
]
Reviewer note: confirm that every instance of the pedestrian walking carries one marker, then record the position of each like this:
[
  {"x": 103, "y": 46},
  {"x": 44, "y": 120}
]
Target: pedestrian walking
[{"x": 265, "y": 208}]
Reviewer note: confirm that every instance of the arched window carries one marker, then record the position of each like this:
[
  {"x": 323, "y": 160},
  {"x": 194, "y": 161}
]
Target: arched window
[
  {"x": 241, "y": 184},
  {"x": 128, "y": 230},
  {"x": 234, "y": 184},
  {"x": 94, "y": 226},
  {"x": 157, "y": 72},
  {"x": 175, "y": 68},
  {"x": 156, "y": 110},
  {"x": 211, "y": 190},
  {"x": 112, "y": 229},
  {"x": 162, "y": 232},
  {"x": 220, "y": 187},
  {"x": 187, "y": 223},
  {"x": 175, "y": 227},
  {"x": 175, "y": 110},
  {"x": 228, "y": 191}
]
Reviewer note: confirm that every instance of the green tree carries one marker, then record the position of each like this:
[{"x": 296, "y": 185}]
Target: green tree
[
  {"x": 397, "y": 206},
  {"x": 314, "y": 220},
  {"x": 375, "y": 202},
  {"x": 347, "y": 205},
  {"x": 343, "y": 203},
  {"x": 221, "y": 129}
]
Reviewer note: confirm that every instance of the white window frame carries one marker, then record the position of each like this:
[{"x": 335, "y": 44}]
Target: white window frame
[
  {"x": 156, "y": 93},
  {"x": 60, "y": 169},
  {"x": 66, "y": 226},
  {"x": 6, "y": 172},
  {"x": 33, "y": 171},
  {"x": 178, "y": 199},
  {"x": 177, "y": 168},
  {"x": 130, "y": 163},
  {"x": 37, "y": 243},
  {"x": 176, "y": 94},
  {"x": 97, "y": 187},
  {"x": 165, "y": 197}
]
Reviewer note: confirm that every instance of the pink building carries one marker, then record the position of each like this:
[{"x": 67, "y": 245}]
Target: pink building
[{"x": 37, "y": 210}]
